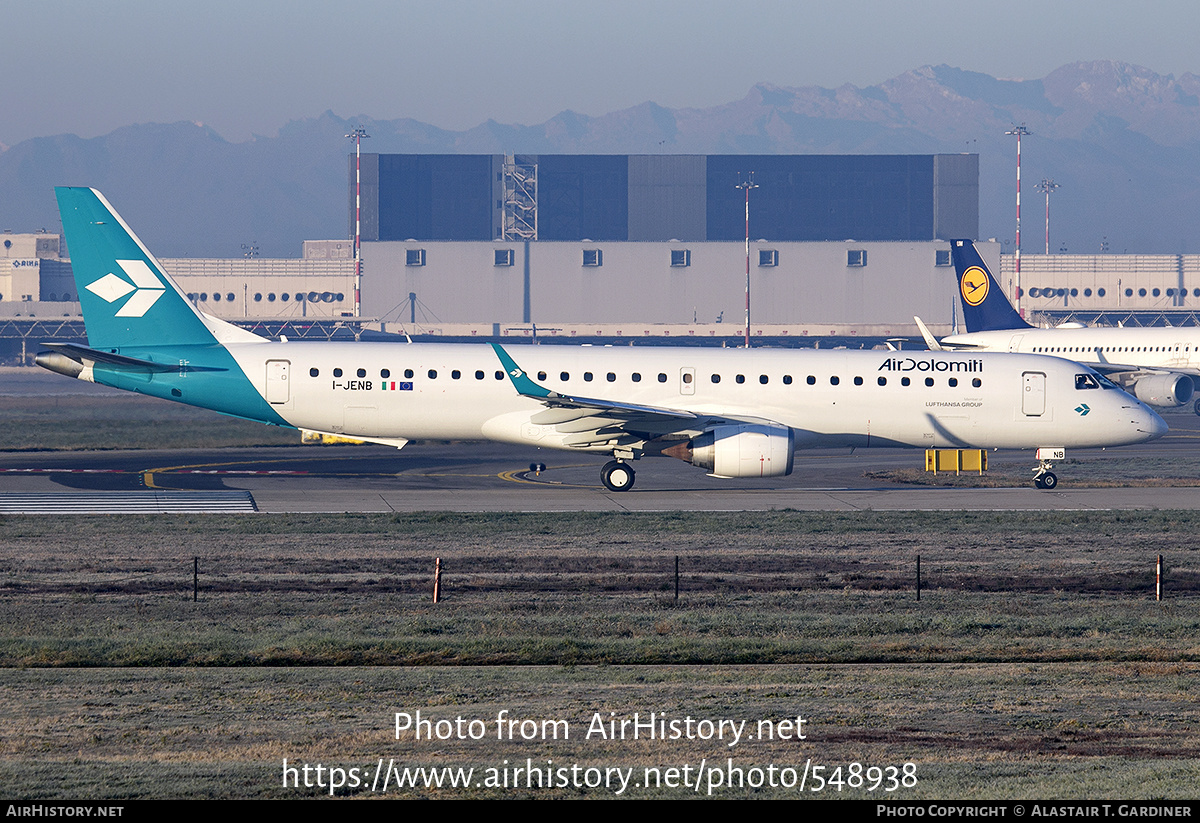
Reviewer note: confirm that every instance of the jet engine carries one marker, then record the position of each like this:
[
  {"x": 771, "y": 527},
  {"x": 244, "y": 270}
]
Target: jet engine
[
  {"x": 740, "y": 450},
  {"x": 1164, "y": 390}
]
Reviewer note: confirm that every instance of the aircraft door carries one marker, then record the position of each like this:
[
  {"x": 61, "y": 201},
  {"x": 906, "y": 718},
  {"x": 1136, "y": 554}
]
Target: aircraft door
[
  {"x": 278, "y": 391},
  {"x": 1033, "y": 393},
  {"x": 687, "y": 380},
  {"x": 1014, "y": 344}
]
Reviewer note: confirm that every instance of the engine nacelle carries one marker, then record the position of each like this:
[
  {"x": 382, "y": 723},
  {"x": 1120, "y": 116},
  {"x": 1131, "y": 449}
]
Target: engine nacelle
[
  {"x": 745, "y": 450},
  {"x": 1164, "y": 390}
]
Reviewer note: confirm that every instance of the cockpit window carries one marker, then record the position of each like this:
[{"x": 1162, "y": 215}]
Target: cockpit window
[
  {"x": 1086, "y": 381},
  {"x": 1105, "y": 383}
]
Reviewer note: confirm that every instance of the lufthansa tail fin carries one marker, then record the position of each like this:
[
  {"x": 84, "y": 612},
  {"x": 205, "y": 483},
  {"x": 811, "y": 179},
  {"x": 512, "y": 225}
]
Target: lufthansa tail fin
[
  {"x": 128, "y": 300},
  {"x": 985, "y": 308}
]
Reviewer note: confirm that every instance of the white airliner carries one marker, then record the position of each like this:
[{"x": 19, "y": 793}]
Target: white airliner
[
  {"x": 734, "y": 412},
  {"x": 1155, "y": 364}
]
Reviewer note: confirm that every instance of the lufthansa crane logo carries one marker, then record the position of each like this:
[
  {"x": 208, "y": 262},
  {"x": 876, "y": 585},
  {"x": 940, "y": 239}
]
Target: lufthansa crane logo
[
  {"x": 146, "y": 288},
  {"x": 974, "y": 285}
]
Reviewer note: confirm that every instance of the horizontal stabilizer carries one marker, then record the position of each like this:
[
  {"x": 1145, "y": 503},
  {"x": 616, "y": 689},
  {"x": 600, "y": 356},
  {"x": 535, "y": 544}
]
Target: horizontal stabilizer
[{"x": 118, "y": 361}]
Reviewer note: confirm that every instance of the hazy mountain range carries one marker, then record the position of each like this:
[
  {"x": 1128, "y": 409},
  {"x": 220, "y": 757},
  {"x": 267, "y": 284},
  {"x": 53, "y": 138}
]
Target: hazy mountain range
[{"x": 1122, "y": 142}]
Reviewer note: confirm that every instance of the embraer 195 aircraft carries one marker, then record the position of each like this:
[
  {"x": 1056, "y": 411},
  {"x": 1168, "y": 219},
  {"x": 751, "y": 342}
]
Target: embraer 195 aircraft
[
  {"x": 735, "y": 412},
  {"x": 1155, "y": 364}
]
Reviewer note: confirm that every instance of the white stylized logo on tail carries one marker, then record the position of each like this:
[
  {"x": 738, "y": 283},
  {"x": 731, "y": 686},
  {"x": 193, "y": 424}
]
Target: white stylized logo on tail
[{"x": 146, "y": 288}]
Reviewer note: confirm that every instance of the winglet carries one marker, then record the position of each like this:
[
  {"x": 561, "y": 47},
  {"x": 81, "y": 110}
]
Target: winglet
[
  {"x": 520, "y": 380},
  {"x": 930, "y": 340}
]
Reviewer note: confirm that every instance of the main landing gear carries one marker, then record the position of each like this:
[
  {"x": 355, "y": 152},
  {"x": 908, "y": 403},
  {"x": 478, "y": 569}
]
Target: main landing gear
[
  {"x": 617, "y": 476},
  {"x": 1043, "y": 478}
]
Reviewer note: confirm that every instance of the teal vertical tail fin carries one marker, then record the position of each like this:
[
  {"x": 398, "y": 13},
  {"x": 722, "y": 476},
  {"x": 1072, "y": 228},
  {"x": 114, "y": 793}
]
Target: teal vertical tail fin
[{"x": 128, "y": 300}]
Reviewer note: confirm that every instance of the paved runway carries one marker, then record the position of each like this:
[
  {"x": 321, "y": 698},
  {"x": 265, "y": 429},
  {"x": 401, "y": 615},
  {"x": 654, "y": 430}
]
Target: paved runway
[{"x": 492, "y": 477}]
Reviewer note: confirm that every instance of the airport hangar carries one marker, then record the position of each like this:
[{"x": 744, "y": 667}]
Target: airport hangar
[{"x": 632, "y": 246}]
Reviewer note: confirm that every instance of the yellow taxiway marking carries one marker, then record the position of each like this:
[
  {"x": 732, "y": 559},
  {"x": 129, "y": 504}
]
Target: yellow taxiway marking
[
  {"x": 148, "y": 474},
  {"x": 515, "y": 476}
]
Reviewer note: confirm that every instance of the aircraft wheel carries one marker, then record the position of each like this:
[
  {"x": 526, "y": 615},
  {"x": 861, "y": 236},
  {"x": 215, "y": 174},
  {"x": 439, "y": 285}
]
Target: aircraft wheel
[
  {"x": 1047, "y": 481},
  {"x": 617, "y": 476},
  {"x": 1196, "y": 407}
]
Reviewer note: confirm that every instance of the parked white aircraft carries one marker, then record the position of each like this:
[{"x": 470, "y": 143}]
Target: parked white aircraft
[
  {"x": 735, "y": 412},
  {"x": 1156, "y": 364}
]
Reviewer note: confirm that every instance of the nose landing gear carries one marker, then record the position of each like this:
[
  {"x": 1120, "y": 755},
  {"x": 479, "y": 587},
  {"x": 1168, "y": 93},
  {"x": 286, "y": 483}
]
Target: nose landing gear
[{"x": 1043, "y": 478}]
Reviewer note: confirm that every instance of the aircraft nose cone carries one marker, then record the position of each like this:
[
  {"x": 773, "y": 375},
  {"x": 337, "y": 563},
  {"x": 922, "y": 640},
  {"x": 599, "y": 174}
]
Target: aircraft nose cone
[{"x": 1152, "y": 424}]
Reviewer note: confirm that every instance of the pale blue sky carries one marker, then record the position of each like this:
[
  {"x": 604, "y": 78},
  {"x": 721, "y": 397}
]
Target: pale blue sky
[{"x": 248, "y": 67}]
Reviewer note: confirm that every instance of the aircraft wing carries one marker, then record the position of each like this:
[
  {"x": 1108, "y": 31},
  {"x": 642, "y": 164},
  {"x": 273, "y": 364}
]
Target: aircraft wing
[{"x": 590, "y": 422}]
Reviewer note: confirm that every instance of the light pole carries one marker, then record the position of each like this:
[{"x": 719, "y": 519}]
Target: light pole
[
  {"x": 357, "y": 136},
  {"x": 1019, "y": 131},
  {"x": 1047, "y": 185},
  {"x": 746, "y": 186}
]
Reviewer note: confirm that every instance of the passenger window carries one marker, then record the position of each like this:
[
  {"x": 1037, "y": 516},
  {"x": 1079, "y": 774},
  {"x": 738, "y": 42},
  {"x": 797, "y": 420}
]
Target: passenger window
[
  {"x": 313, "y": 372},
  {"x": 833, "y": 381},
  {"x": 479, "y": 374},
  {"x": 455, "y": 374},
  {"x": 953, "y": 382},
  {"x": 635, "y": 377},
  {"x": 928, "y": 381},
  {"x": 762, "y": 378},
  {"x": 716, "y": 378},
  {"x": 611, "y": 377},
  {"x": 741, "y": 378},
  {"x": 541, "y": 375},
  {"x": 433, "y": 374},
  {"x": 662, "y": 378},
  {"x": 408, "y": 373},
  {"x": 787, "y": 380},
  {"x": 811, "y": 380},
  {"x": 564, "y": 376},
  {"x": 882, "y": 381},
  {"x": 385, "y": 373},
  {"x": 858, "y": 381},
  {"x": 587, "y": 377},
  {"x": 362, "y": 372},
  {"x": 337, "y": 372},
  {"x": 904, "y": 381},
  {"x": 976, "y": 382},
  {"x": 499, "y": 374}
]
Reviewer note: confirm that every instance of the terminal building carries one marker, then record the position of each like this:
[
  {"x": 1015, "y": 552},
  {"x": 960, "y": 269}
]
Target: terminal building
[{"x": 646, "y": 240}]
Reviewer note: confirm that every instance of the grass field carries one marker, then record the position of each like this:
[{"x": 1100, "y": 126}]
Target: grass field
[
  {"x": 125, "y": 422},
  {"x": 1036, "y": 663}
]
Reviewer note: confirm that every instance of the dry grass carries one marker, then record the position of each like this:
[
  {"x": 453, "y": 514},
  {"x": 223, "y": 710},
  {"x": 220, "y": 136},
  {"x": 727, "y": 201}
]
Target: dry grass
[{"x": 1036, "y": 664}]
